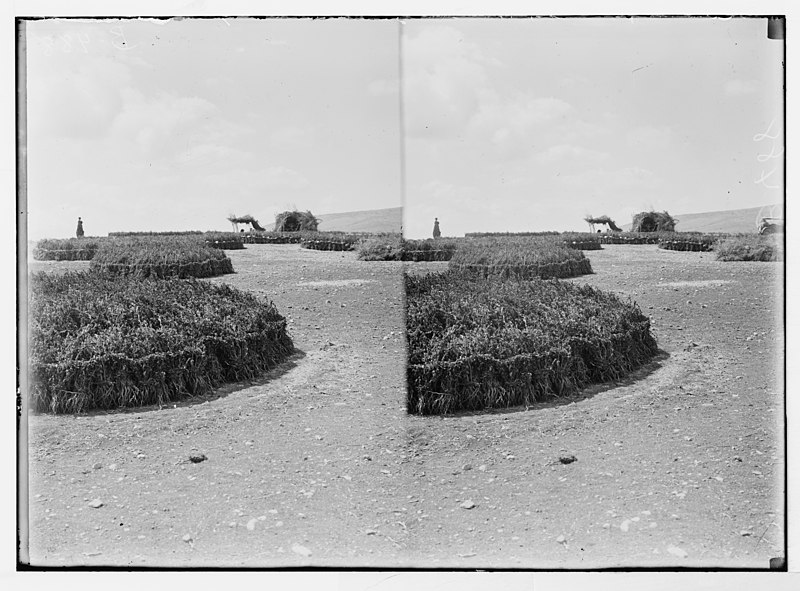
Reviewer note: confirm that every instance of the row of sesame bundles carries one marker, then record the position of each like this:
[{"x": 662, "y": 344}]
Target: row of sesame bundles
[
  {"x": 500, "y": 328},
  {"x": 138, "y": 328}
]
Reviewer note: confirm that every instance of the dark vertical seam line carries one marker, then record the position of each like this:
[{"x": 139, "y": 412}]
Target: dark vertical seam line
[
  {"x": 20, "y": 97},
  {"x": 401, "y": 113}
]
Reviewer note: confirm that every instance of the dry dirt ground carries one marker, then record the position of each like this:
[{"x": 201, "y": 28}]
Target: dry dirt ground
[{"x": 319, "y": 464}]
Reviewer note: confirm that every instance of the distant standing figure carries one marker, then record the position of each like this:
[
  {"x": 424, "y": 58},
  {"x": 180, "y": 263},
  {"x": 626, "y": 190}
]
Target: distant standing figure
[
  {"x": 79, "y": 231},
  {"x": 436, "y": 232}
]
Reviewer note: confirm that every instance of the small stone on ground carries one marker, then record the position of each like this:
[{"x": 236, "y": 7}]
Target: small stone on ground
[
  {"x": 676, "y": 551},
  {"x": 301, "y": 550}
]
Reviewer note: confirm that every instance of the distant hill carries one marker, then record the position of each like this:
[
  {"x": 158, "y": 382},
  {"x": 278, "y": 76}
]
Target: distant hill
[
  {"x": 732, "y": 220},
  {"x": 372, "y": 220}
]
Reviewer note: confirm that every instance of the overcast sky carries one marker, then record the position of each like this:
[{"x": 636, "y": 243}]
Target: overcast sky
[
  {"x": 530, "y": 124},
  {"x": 509, "y": 124},
  {"x": 162, "y": 125}
]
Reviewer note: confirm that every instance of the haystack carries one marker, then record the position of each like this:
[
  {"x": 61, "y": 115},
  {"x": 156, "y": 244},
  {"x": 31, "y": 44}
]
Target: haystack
[
  {"x": 603, "y": 219},
  {"x": 296, "y": 221},
  {"x": 246, "y": 219},
  {"x": 653, "y": 221}
]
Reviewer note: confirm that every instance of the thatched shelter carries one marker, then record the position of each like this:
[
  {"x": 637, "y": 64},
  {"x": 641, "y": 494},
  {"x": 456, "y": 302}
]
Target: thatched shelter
[
  {"x": 245, "y": 219},
  {"x": 603, "y": 219},
  {"x": 653, "y": 221},
  {"x": 296, "y": 221},
  {"x": 771, "y": 226}
]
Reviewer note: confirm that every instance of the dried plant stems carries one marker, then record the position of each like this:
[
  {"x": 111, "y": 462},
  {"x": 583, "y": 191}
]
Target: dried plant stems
[{"x": 102, "y": 342}]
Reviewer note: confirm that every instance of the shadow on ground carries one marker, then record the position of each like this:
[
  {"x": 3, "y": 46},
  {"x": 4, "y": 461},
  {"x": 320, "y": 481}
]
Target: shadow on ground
[
  {"x": 220, "y": 392},
  {"x": 586, "y": 393}
]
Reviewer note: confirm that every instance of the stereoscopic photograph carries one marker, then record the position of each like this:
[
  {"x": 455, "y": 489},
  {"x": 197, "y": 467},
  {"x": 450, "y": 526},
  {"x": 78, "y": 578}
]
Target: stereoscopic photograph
[{"x": 466, "y": 293}]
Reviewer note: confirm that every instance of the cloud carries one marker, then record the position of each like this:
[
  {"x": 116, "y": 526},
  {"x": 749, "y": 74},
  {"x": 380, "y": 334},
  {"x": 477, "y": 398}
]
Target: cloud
[
  {"x": 206, "y": 154},
  {"x": 280, "y": 176},
  {"x": 608, "y": 182},
  {"x": 449, "y": 196},
  {"x": 575, "y": 129},
  {"x": 77, "y": 103},
  {"x": 574, "y": 82},
  {"x": 153, "y": 124},
  {"x": 649, "y": 137},
  {"x": 249, "y": 182},
  {"x": 518, "y": 115},
  {"x": 450, "y": 93},
  {"x": 133, "y": 59},
  {"x": 220, "y": 131},
  {"x": 443, "y": 77},
  {"x": 739, "y": 87},
  {"x": 514, "y": 126},
  {"x": 291, "y": 137},
  {"x": 561, "y": 152}
]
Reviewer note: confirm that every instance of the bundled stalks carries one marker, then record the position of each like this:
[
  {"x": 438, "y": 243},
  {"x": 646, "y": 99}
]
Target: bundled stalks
[
  {"x": 653, "y": 221},
  {"x": 98, "y": 342},
  {"x": 246, "y": 219},
  {"x": 520, "y": 258},
  {"x": 161, "y": 256},
  {"x": 428, "y": 250},
  {"x": 224, "y": 240},
  {"x": 634, "y": 237},
  {"x": 338, "y": 241},
  {"x": 296, "y": 221},
  {"x": 381, "y": 248},
  {"x": 690, "y": 242},
  {"x": 752, "y": 247},
  {"x": 274, "y": 237},
  {"x": 478, "y": 344},
  {"x": 168, "y": 233},
  {"x": 392, "y": 247},
  {"x": 67, "y": 249},
  {"x": 581, "y": 240},
  {"x": 509, "y": 234}
]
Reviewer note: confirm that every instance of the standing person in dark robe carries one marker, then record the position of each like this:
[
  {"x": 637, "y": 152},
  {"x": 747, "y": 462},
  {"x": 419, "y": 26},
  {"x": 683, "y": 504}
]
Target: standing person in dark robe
[
  {"x": 79, "y": 231},
  {"x": 436, "y": 232}
]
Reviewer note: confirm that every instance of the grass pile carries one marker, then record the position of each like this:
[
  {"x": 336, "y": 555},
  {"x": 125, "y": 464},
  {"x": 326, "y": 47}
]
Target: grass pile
[
  {"x": 685, "y": 241},
  {"x": 751, "y": 247},
  {"x": 101, "y": 342},
  {"x": 653, "y": 221},
  {"x": 246, "y": 219},
  {"x": 428, "y": 250},
  {"x": 225, "y": 240},
  {"x": 634, "y": 237},
  {"x": 581, "y": 240},
  {"x": 169, "y": 233},
  {"x": 296, "y": 221},
  {"x": 331, "y": 241},
  {"x": 392, "y": 247},
  {"x": 66, "y": 249},
  {"x": 520, "y": 258},
  {"x": 273, "y": 237},
  {"x": 488, "y": 343},
  {"x": 386, "y": 247},
  {"x": 604, "y": 220},
  {"x": 508, "y": 234},
  {"x": 161, "y": 256}
]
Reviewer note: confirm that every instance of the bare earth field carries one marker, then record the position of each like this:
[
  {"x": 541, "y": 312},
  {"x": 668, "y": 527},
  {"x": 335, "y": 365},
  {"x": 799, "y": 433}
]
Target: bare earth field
[{"x": 319, "y": 464}]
